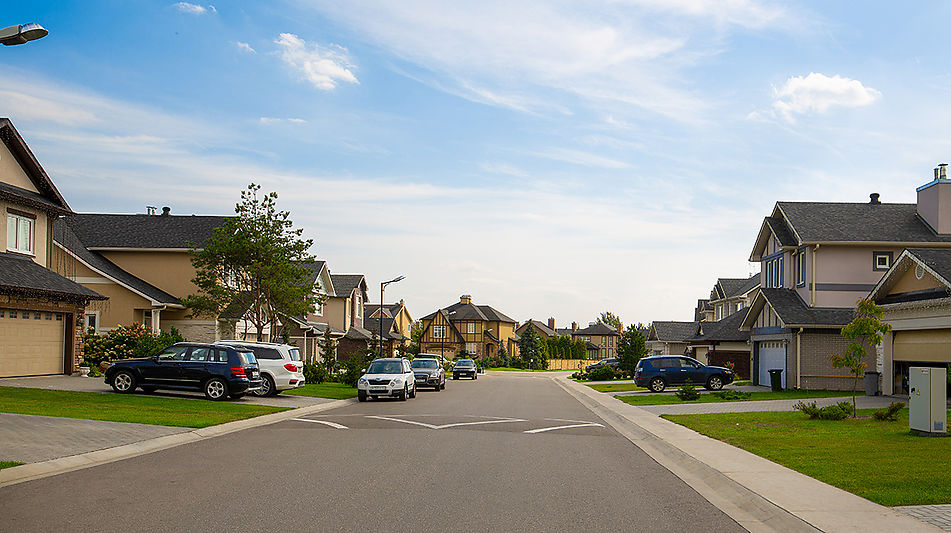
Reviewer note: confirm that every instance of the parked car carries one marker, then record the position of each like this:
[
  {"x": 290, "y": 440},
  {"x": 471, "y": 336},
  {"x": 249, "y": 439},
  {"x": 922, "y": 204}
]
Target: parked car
[
  {"x": 465, "y": 368},
  {"x": 659, "y": 371},
  {"x": 612, "y": 362},
  {"x": 219, "y": 370},
  {"x": 429, "y": 373},
  {"x": 280, "y": 364},
  {"x": 389, "y": 376}
]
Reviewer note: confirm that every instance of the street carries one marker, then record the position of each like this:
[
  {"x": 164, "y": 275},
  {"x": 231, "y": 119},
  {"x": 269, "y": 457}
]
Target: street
[{"x": 508, "y": 452}]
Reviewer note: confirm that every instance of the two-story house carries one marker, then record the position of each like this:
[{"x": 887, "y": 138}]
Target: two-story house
[
  {"x": 543, "y": 330},
  {"x": 818, "y": 259},
  {"x": 717, "y": 340},
  {"x": 669, "y": 337},
  {"x": 600, "y": 339},
  {"x": 345, "y": 311},
  {"x": 729, "y": 295},
  {"x": 402, "y": 321},
  {"x": 307, "y": 332},
  {"x": 464, "y": 327},
  {"x": 41, "y": 312}
]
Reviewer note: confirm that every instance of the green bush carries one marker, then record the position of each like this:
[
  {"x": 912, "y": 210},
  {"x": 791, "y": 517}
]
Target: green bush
[
  {"x": 579, "y": 375},
  {"x": 839, "y": 411},
  {"x": 688, "y": 392},
  {"x": 314, "y": 373},
  {"x": 731, "y": 395},
  {"x": 353, "y": 369},
  {"x": 126, "y": 342},
  {"x": 602, "y": 373},
  {"x": 889, "y": 413}
]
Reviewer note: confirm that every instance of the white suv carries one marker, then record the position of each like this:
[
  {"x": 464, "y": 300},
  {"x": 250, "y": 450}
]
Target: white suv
[
  {"x": 281, "y": 365},
  {"x": 387, "y": 377}
]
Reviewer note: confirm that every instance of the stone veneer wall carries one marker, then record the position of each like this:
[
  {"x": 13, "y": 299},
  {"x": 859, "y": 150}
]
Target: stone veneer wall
[{"x": 72, "y": 360}]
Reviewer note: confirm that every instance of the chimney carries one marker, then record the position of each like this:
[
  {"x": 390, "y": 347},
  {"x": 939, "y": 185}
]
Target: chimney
[
  {"x": 551, "y": 323},
  {"x": 465, "y": 299},
  {"x": 150, "y": 209},
  {"x": 574, "y": 326},
  {"x": 873, "y": 199},
  {"x": 166, "y": 210},
  {"x": 934, "y": 201}
]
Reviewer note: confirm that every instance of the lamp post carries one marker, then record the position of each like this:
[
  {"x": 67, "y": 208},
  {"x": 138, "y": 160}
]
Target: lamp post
[
  {"x": 22, "y": 34},
  {"x": 383, "y": 286}
]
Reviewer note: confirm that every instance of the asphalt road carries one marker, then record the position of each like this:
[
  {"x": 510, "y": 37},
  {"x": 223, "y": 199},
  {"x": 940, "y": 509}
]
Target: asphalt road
[{"x": 503, "y": 453}]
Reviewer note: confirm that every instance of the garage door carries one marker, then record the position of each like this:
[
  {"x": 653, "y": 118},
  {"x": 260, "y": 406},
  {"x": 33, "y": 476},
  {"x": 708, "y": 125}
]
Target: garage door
[
  {"x": 930, "y": 345},
  {"x": 772, "y": 354},
  {"x": 31, "y": 343}
]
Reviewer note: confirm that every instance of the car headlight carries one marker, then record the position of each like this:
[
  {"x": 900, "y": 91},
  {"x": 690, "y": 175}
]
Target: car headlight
[
  {"x": 396, "y": 382},
  {"x": 362, "y": 381}
]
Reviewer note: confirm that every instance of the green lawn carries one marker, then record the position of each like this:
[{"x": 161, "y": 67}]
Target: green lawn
[
  {"x": 8, "y": 464},
  {"x": 615, "y": 387},
  {"x": 137, "y": 408},
  {"x": 788, "y": 394},
  {"x": 336, "y": 391},
  {"x": 881, "y": 461}
]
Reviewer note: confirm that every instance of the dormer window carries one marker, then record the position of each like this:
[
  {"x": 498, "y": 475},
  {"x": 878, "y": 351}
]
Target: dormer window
[{"x": 20, "y": 232}]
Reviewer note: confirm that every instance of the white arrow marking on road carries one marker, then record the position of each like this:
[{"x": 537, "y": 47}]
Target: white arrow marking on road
[
  {"x": 431, "y": 426},
  {"x": 542, "y": 430},
  {"x": 325, "y": 422}
]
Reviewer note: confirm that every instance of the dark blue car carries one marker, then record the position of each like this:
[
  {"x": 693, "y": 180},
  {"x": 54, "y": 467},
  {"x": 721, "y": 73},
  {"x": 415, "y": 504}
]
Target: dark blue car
[
  {"x": 659, "y": 371},
  {"x": 220, "y": 371}
]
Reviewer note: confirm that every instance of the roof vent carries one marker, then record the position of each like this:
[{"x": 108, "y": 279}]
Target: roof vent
[
  {"x": 166, "y": 210},
  {"x": 150, "y": 209},
  {"x": 941, "y": 172},
  {"x": 874, "y": 199}
]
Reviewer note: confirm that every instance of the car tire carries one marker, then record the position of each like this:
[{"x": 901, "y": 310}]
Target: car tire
[
  {"x": 216, "y": 389},
  {"x": 267, "y": 387},
  {"x": 361, "y": 396},
  {"x": 413, "y": 394},
  {"x": 123, "y": 382},
  {"x": 475, "y": 376},
  {"x": 403, "y": 394},
  {"x": 149, "y": 390},
  {"x": 657, "y": 385},
  {"x": 715, "y": 383},
  {"x": 443, "y": 386}
]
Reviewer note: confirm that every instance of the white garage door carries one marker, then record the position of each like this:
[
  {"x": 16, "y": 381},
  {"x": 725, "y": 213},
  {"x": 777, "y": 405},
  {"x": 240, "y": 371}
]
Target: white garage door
[
  {"x": 31, "y": 343},
  {"x": 772, "y": 354}
]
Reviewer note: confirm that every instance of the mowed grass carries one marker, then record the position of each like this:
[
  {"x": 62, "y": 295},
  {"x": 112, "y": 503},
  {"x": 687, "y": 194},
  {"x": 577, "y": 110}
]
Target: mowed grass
[
  {"x": 135, "y": 408},
  {"x": 615, "y": 387},
  {"x": 335, "y": 391},
  {"x": 789, "y": 394},
  {"x": 880, "y": 461},
  {"x": 8, "y": 464}
]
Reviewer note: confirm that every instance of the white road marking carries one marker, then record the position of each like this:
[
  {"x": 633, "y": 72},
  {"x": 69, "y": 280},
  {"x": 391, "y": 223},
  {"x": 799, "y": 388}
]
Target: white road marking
[
  {"x": 568, "y": 420},
  {"x": 587, "y": 425},
  {"x": 444, "y": 426},
  {"x": 325, "y": 422}
]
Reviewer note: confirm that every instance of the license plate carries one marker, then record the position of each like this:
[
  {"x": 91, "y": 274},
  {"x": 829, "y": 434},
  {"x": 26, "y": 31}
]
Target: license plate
[{"x": 378, "y": 389}]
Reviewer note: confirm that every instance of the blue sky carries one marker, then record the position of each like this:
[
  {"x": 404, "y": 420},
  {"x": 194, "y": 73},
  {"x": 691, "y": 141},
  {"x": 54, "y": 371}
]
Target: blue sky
[{"x": 549, "y": 158}]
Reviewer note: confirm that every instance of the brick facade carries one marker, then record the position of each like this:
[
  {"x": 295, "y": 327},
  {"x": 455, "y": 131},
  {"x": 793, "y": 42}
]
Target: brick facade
[
  {"x": 74, "y": 312},
  {"x": 816, "y": 368}
]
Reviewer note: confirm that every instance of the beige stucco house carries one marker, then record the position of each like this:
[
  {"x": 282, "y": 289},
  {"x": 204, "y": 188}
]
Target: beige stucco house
[
  {"x": 397, "y": 315},
  {"x": 464, "y": 327}
]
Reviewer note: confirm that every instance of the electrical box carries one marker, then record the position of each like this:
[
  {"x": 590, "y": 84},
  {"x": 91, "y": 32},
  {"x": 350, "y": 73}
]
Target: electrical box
[{"x": 928, "y": 400}]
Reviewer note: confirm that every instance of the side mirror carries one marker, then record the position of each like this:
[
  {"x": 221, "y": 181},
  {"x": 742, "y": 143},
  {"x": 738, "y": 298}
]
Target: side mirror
[{"x": 363, "y": 371}]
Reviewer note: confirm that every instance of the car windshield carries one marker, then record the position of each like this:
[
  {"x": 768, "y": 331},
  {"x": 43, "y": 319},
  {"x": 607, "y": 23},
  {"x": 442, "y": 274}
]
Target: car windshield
[
  {"x": 466, "y": 362},
  {"x": 385, "y": 367},
  {"x": 295, "y": 354},
  {"x": 423, "y": 363}
]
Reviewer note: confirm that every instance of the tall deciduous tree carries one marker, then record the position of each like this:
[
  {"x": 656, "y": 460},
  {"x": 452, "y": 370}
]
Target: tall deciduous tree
[
  {"x": 631, "y": 347},
  {"x": 865, "y": 331},
  {"x": 256, "y": 261},
  {"x": 611, "y": 319}
]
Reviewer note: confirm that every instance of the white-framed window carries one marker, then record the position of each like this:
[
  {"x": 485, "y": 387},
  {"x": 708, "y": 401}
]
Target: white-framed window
[
  {"x": 19, "y": 233},
  {"x": 92, "y": 320},
  {"x": 357, "y": 302},
  {"x": 470, "y": 347},
  {"x": 470, "y": 327},
  {"x": 881, "y": 260},
  {"x": 439, "y": 332},
  {"x": 801, "y": 268}
]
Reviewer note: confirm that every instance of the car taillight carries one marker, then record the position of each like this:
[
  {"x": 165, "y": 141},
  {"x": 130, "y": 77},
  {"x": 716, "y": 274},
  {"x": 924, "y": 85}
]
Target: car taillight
[
  {"x": 291, "y": 367},
  {"x": 238, "y": 371}
]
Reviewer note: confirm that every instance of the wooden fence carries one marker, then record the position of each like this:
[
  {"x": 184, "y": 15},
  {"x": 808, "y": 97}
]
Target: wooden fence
[{"x": 568, "y": 364}]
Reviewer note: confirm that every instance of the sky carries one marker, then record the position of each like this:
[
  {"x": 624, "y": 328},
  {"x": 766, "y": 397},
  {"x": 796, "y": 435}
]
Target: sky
[{"x": 552, "y": 159}]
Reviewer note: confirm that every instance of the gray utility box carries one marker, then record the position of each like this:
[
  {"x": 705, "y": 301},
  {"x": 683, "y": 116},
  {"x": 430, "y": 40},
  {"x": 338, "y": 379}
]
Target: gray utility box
[{"x": 928, "y": 401}]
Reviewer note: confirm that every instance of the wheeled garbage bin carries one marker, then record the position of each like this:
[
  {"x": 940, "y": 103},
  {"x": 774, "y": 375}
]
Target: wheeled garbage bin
[{"x": 776, "y": 379}]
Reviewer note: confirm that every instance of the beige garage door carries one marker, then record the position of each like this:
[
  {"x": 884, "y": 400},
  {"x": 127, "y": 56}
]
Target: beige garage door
[
  {"x": 931, "y": 345},
  {"x": 31, "y": 343}
]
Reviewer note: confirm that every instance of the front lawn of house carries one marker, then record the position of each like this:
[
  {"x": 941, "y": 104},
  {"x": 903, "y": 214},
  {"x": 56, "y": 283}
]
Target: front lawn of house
[
  {"x": 880, "y": 461},
  {"x": 788, "y": 394},
  {"x": 335, "y": 391},
  {"x": 8, "y": 464},
  {"x": 615, "y": 387},
  {"x": 135, "y": 408}
]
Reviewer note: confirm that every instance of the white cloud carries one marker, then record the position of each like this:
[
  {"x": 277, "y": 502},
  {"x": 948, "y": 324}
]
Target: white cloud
[
  {"x": 274, "y": 120},
  {"x": 194, "y": 9},
  {"x": 323, "y": 67},
  {"x": 579, "y": 157},
  {"x": 245, "y": 47},
  {"x": 817, "y": 93}
]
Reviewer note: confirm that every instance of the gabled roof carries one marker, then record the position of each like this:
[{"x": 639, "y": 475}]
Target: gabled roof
[
  {"x": 389, "y": 310},
  {"x": 591, "y": 347},
  {"x": 936, "y": 262},
  {"x": 344, "y": 284},
  {"x": 64, "y": 237},
  {"x": 162, "y": 232},
  {"x": 793, "y": 311},
  {"x": 359, "y": 334},
  {"x": 49, "y": 199},
  {"x": 389, "y": 332},
  {"x": 460, "y": 311},
  {"x": 598, "y": 328},
  {"x": 726, "y": 329},
  {"x": 20, "y": 275},
  {"x": 732, "y": 287},
  {"x": 703, "y": 305},
  {"x": 672, "y": 331},
  {"x": 540, "y": 326}
]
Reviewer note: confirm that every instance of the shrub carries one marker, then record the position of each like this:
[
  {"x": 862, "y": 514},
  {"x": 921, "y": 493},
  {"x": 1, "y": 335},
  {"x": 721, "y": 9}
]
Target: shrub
[
  {"x": 688, "y": 392},
  {"x": 579, "y": 375},
  {"x": 730, "y": 395},
  {"x": 314, "y": 373},
  {"x": 839, "y": 411},
  {"x": 126, "y": 342},
  {"x": 353, "y": 369},
  {"x": 889, "y": 413},
  {"x": 518, "y": 362},
  {"x": 602, "y": 373}
]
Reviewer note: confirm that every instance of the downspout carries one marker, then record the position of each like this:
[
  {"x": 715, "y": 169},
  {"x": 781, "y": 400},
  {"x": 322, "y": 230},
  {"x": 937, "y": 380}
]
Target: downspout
[
  {"x": 798, "y": 357},
  {"x": 814, "y": 250}
]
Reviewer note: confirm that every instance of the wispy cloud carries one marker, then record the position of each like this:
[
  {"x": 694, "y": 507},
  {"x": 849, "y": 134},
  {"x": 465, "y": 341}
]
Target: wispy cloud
[
  {"x": 273, "y": 120},
  {"x": 245, "y": 47},
  {"x": 194, "y": 9},
  {"x": 817, "y": 93},
  {"x": 579, "y": 157},
  {"x": 323, "y": 66}
]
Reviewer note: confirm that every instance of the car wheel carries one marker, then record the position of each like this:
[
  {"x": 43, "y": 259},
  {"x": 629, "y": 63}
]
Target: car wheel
[
  {"x": 443, "y": 386},
  {"x": 123, "y": 382},
  {"x": 413, "y": 394},
  {"x": 216, "y": 389},
  {"x": 149, "y": 390},
  {"x": 715, "y": 383},
  {"x": 362, "y": 396},
  {"x": 475, "y": 376},
  {"x": 657, "y": 385},
  {"x": 267, "y": 386},
  {"x": 403, "y": 394}
]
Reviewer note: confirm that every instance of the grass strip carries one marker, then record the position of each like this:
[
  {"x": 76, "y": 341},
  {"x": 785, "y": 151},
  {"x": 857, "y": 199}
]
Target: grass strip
[
  {"x": 8, "y": 464},
  {"x": 335, "y": 391},
  {"x": 136, "y": 408},
  {"x": 789, "y": 394},
  {"x": 880, "y": 461},
  {"x": 615, "y": 387}
]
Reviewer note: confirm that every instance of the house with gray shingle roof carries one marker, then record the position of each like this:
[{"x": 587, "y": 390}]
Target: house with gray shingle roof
[
  {"x": 399, "y": 313},
  {"x": 721, "y": 342},
  {"x": 670, "y": 337},
  {"x": 817, "y": 260},
  {"x": 601, "y": 335},
  {"x": 465, "y": 327}
]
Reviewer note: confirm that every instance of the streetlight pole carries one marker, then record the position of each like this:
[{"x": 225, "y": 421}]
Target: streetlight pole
[
  {"x": 383, "y": 286},
  {"x": 22, "y": 34}
]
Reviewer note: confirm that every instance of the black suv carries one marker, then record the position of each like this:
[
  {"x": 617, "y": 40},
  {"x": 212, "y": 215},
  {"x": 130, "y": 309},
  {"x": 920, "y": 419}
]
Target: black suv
[
  {"x": 220, "y": 371},
  {"x": 658, "y": 371}
]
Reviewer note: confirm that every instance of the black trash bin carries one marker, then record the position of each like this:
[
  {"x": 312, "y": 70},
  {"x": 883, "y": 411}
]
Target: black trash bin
[
  {"x": 871, "y": 383},
  {"x": 776, "y": 379}
]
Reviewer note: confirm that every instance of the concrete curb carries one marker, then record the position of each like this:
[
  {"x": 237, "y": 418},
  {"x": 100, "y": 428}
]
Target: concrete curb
[
  {"x": 759, "y": 494},
  {"x": 31, "y": 471}
]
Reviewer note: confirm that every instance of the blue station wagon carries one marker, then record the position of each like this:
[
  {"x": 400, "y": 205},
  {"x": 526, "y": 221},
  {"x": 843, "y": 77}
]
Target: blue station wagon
[{"x": 659, "y": 371}]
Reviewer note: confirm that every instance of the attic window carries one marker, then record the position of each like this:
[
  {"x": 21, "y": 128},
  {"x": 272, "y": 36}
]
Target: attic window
[{"x": 881, "y": 261}]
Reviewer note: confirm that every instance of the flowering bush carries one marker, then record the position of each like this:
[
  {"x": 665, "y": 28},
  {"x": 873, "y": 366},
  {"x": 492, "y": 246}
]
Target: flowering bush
[{"x": 125, "y": 342}]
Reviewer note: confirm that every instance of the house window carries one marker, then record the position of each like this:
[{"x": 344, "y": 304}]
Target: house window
[
  {"x": 470, "y": 347},
  {"x": 92, "y": 321},
  {"x": 357, "y": 302},
  {"x": 439, "y": 332},
  {"x": 19, "y": 233},
  {"x": 881, "y": 261},
  {"x": 470, "y": 328},
  {"x": 801, "y": 268}
]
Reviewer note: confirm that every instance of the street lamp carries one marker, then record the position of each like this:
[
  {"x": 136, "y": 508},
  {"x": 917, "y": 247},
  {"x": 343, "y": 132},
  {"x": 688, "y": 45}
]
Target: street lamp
[
  {"x": 22, "y": 34},
  {"x": 382, "y": 286}
]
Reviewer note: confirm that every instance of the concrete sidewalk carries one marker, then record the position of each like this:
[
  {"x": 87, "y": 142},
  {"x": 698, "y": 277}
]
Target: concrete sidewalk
[{"x": 759, "y": 494}]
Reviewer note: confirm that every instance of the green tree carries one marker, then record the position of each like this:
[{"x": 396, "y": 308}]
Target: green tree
[
  {"x": 631, "y": 347},
  {"x": 532, "y": 350},
  {"x": 415, "y": 338},
  {"x": 865, "y": 331},
  {"x": 328, "y": 352},
  {"x": 611, "y": 319},
  {"x": 256, "y": 260}
]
